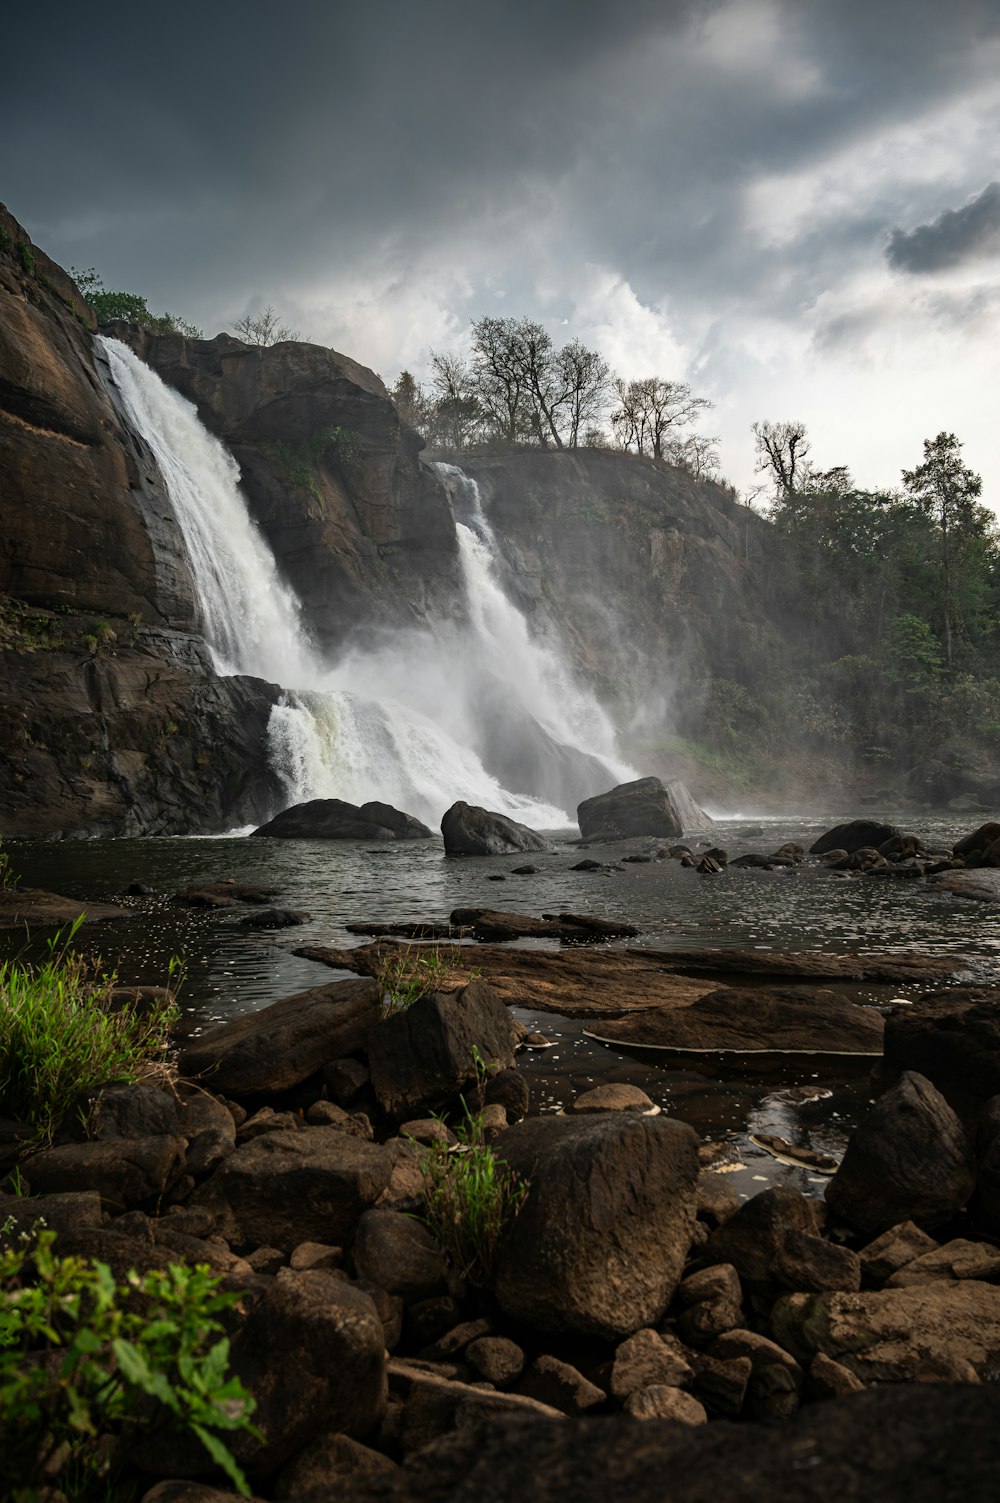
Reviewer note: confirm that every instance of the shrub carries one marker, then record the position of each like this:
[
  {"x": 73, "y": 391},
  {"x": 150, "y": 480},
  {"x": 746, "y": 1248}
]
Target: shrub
[
  {"x": 62, "y": 1035},
  {"x": 26, "y": 256},
  {"x": 406, "y": 973},
  {"x": 80, "y": 1356},
  {"x": 7, "y": 877},
  {"x": 469, "y": 1198}
]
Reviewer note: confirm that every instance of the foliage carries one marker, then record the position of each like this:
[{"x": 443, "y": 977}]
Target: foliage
[
  {"x": 782, "y": 451},
  {"x": 470, "y": 1196},
  {"x": 263, "y": 329},
  {"x": 128, "y": 306},
  {"x": 405, "y": 973},
  {"x": 80, "y": 1356},
  {"x": 7, "y": 878},
  {"x": 62, "y": 1034},
  {"x": 299, "y": 462},
  {"x": 650, "y": 411},
  {"x": 26, "y": 256}
]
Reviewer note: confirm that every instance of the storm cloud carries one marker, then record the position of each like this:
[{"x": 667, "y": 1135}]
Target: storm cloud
[{"x": 958, "y": 235}]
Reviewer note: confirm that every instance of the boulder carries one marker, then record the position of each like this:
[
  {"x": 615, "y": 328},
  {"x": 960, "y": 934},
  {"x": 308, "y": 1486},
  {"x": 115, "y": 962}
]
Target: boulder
[
  {"x": 397, "y": 1253},
  {"x": 978, "y": 847},
  {"x": 496, "y": 1360},
  {"x": 893, "y": 1250},
  {"x": 909, "y": 1159},
  {"x": 600, "y": 1241},
  {"x": 711, "y": 1303},
  {"x": 986, "y": 1203},
  {"x": 324, "y": 1466},
  {"x": 560, "y": 1385},
  {"x": 773, "y": 1244},
  {"x": 937, "y": 1332},
  {"x": 643, "y": 807},
  {"x": 287, "y": 1187},
  {"x": 310, "y": 1351},
  {"x": 420, "y": 1058},
  {"x": 282, "y": 1045},
  {"x": 800, "y": 1020},
  {"x": 125, "y": 1172},
  {"x": 661, "y": 1402},
  {"x": 615, "y": 1096},
  {"x": 952, "y": 1038},
  {"x": 470, "y": 830},
  {"x": 957, "y": 1259},
  {"x": 333, "y": 819},
  {"x": 853, "y": 836},
  {"x": 646, "y": 1358}
]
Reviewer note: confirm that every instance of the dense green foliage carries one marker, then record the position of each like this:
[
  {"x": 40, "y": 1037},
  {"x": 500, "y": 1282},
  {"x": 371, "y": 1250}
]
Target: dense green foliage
[
  {"x": 80, "y": 1357},
  {"x": 892, "y": 605},
  {"x": 130, "y": 306},
  {"x": 63, "y": 1034}
]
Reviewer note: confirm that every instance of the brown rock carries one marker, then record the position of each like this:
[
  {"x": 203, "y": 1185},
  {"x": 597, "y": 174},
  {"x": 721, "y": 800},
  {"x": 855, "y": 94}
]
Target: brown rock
[
  {"x": 893, "y": 1250},
  {"x": 659, "y": 1402},
  {"x": 647, "y": 1359}
]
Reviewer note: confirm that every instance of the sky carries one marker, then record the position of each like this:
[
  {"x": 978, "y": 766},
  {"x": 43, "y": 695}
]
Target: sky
[{"x": 794, "y": 205}]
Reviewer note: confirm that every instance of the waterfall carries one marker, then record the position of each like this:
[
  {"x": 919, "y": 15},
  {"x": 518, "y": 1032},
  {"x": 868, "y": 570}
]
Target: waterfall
[{"x": 403, "y": 725}]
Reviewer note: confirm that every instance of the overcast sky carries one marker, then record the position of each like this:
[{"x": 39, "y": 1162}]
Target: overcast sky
[{"x": 792, "y": 204}]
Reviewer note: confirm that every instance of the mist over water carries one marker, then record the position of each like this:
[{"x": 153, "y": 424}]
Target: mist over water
[{"x": 483, "y": 711}]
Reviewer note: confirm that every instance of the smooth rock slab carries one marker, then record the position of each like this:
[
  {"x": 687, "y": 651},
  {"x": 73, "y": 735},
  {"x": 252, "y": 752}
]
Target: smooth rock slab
[
  {"x": 796, "y": 1020},
  {"x": 601, "y": 1239},
  {"x": 288, "y": 1187}
]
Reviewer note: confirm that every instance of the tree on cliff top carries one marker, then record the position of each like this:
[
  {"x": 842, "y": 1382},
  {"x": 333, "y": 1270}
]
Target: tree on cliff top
[
  {"x": 129, "y": 306},
  {"x": 782, "y": 450},
  {"x": 948, "y": 492},
  {"x": 263, "y": 328},
  {"x": 651, "y": 412}
]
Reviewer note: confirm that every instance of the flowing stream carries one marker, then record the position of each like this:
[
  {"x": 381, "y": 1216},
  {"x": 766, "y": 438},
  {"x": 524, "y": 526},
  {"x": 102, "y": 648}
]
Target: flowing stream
[{"x": 431, "y": 717}]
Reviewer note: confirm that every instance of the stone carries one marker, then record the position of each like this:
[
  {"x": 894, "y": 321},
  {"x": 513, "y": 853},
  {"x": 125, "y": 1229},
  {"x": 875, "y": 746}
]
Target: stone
[
  {"x": 827, "y": 1379},
  {"x": 930, "y": 1332},
  {"x": 647, "y": 1358},
  {"x": 487, "y": 924},
  {"x": 325, "y": 1466},
  {"x": 429, "y": 1319},
  {"x": 614, "y": 1097},
  {"x": 561, "y": 1386},
  {"x": 893, "y": 1250},
  {"x": 642, "y": 807},
  {"x": 470, "y": 830},
  {"x": 452, "y": 1343},
  {"x": 284, "y": 1188},
  {"x": 328, "y": 1114},
  {"x": 125, "y": 1172},
  {"x": 345, "y": 1079},
  {"x": 509, "y": 1089},
  {"x": 772, "y": 1243},
  {"x": 852, "y": 836},
  {"x": 429, "y": 1132},
  {"x": 958, "y": 1259},
  {"x": 333, "y": 819},
  {"x": 722, "y": 1383},
  {"x": 908, "y": 1160},
  {"x": 775, "y": 1387},
  {"x": 315, "y": 1255},
  {"x": 276, "y": 918},
  {"x": 952, "y": 1038},
  {"x": 660, "y": 1402},
  {"x": 64, "y": 1213},
  {"x": 711, "y": 1302},
  {"x": 282, "y": 1045},
  {"x": 806, "y": 1020},
  {"x": 421, "y": 1058},
  {"x": 399, "y": 1254},
  {"x": 496, "y": 1359},
  {"x": 986, "y": 1201},
  {"x": 600, "y": 1241}
]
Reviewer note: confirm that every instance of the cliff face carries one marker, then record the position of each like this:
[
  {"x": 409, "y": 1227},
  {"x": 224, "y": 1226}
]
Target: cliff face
[
  {"x": 111, "y": 720},
  {"x": 643, "y": 569},
  {"x": 362, "y": 529}
]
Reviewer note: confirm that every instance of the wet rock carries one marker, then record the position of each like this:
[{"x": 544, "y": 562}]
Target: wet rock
[
  {"x": 470, "y": 830},
  {"x": 601, "y": 1238},
  {"x": 908, "y": 1160},
  {"x": 509, "y": 1089},
  {"x": 399, "y": 1254},
  {"x": 746, "y": 1020},
  {"x": 276, "y": 918},
  {"x": 642, "y": 807},
  {"x": 287, "y": 1187},
  {"x": 660, "y": 1402},
  {"x": 953, "y": 1039},
  {"x": 614, "y": 1097},
  {"x": 979, "y": 844},
  {"x": 525, "y": 871},
  {"x": 282, "y": 1045},
  {"x": 333, "y": 819},
  {"x": 561, "y": 1386},
  {"x": 420, "y": 1058},
  {"x": 937, "y": 1332},
  {"x": 853, "y": 835},
  {"x": 224, "y": 894},
  {"x": 577, "y": 928}
]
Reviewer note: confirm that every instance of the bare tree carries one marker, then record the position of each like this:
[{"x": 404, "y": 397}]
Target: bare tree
[
  {"x": 649, "y": 410},
  {"x": 456, "y": 412},
  {"x": 585, "y": 377},
  {"x": 782, "y": 449},
  {"x": 263, "y": 328},
  {"x": 695, "y": 453}
]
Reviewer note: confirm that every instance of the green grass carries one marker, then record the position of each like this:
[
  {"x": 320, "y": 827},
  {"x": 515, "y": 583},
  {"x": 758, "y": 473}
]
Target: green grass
[
  {"x": 406, "y": 973},
  {"x": 469, "y": 1198},
  {"x": 62, "y": 1035}
]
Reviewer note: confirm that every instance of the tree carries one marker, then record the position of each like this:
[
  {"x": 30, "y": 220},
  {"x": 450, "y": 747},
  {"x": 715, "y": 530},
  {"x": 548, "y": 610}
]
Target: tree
[
  {"x": 128, "y": 306},
  {"x": 456, "y": 416},
  {"x": 263, "y": 328},
  {"x": 585, "y": 376},
  {"x": 411, "y": 402},
  {"x": 782, "y": 449},
  {"x": 528, "y": 390},
  {"x": 947, "y": 491},
  {"x": 649, "y": 411}
]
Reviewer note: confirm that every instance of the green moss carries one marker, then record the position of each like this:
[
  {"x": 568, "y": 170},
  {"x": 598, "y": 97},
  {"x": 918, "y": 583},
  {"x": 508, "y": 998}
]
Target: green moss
[
  {"x": 26, "y": 256},
  {"x": 299, "y": 463}
]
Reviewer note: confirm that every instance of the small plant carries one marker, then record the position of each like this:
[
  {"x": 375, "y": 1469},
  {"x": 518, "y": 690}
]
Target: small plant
[
  {"x": 105, "y": 633},
  {"x": 470, "y": 1196},
  {"x": 6, "y": 239},
  {"x": 62, "y": 1035},
  {"x": 80, "y": 1356},
  {"x": 7, "y": 878},
  {"x": 406, "y": 973},
  {"x": 90, "y": 642},
  {"x": 26, "y": 256}
]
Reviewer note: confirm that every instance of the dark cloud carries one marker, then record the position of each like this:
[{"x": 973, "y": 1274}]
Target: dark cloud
[{"x": 956, "y": 236}]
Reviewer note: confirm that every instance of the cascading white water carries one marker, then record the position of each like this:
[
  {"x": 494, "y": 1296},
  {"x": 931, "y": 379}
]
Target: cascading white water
[{"x": 371, "y": 727}]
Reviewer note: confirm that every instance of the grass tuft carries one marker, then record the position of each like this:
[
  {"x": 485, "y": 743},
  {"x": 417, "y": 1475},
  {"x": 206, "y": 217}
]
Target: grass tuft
[
  {"x": 62, "y": 1034},
  {"x": 405, "y": 973}
]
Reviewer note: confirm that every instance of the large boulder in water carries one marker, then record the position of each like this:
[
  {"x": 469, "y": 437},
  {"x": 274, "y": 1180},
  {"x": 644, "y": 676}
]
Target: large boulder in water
[
  {"x": 852, "y": 836},
  {"x": 469, "y": 830},
  {"x": 644, "y": 807},
  {"x": 333, "y": 819}
]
